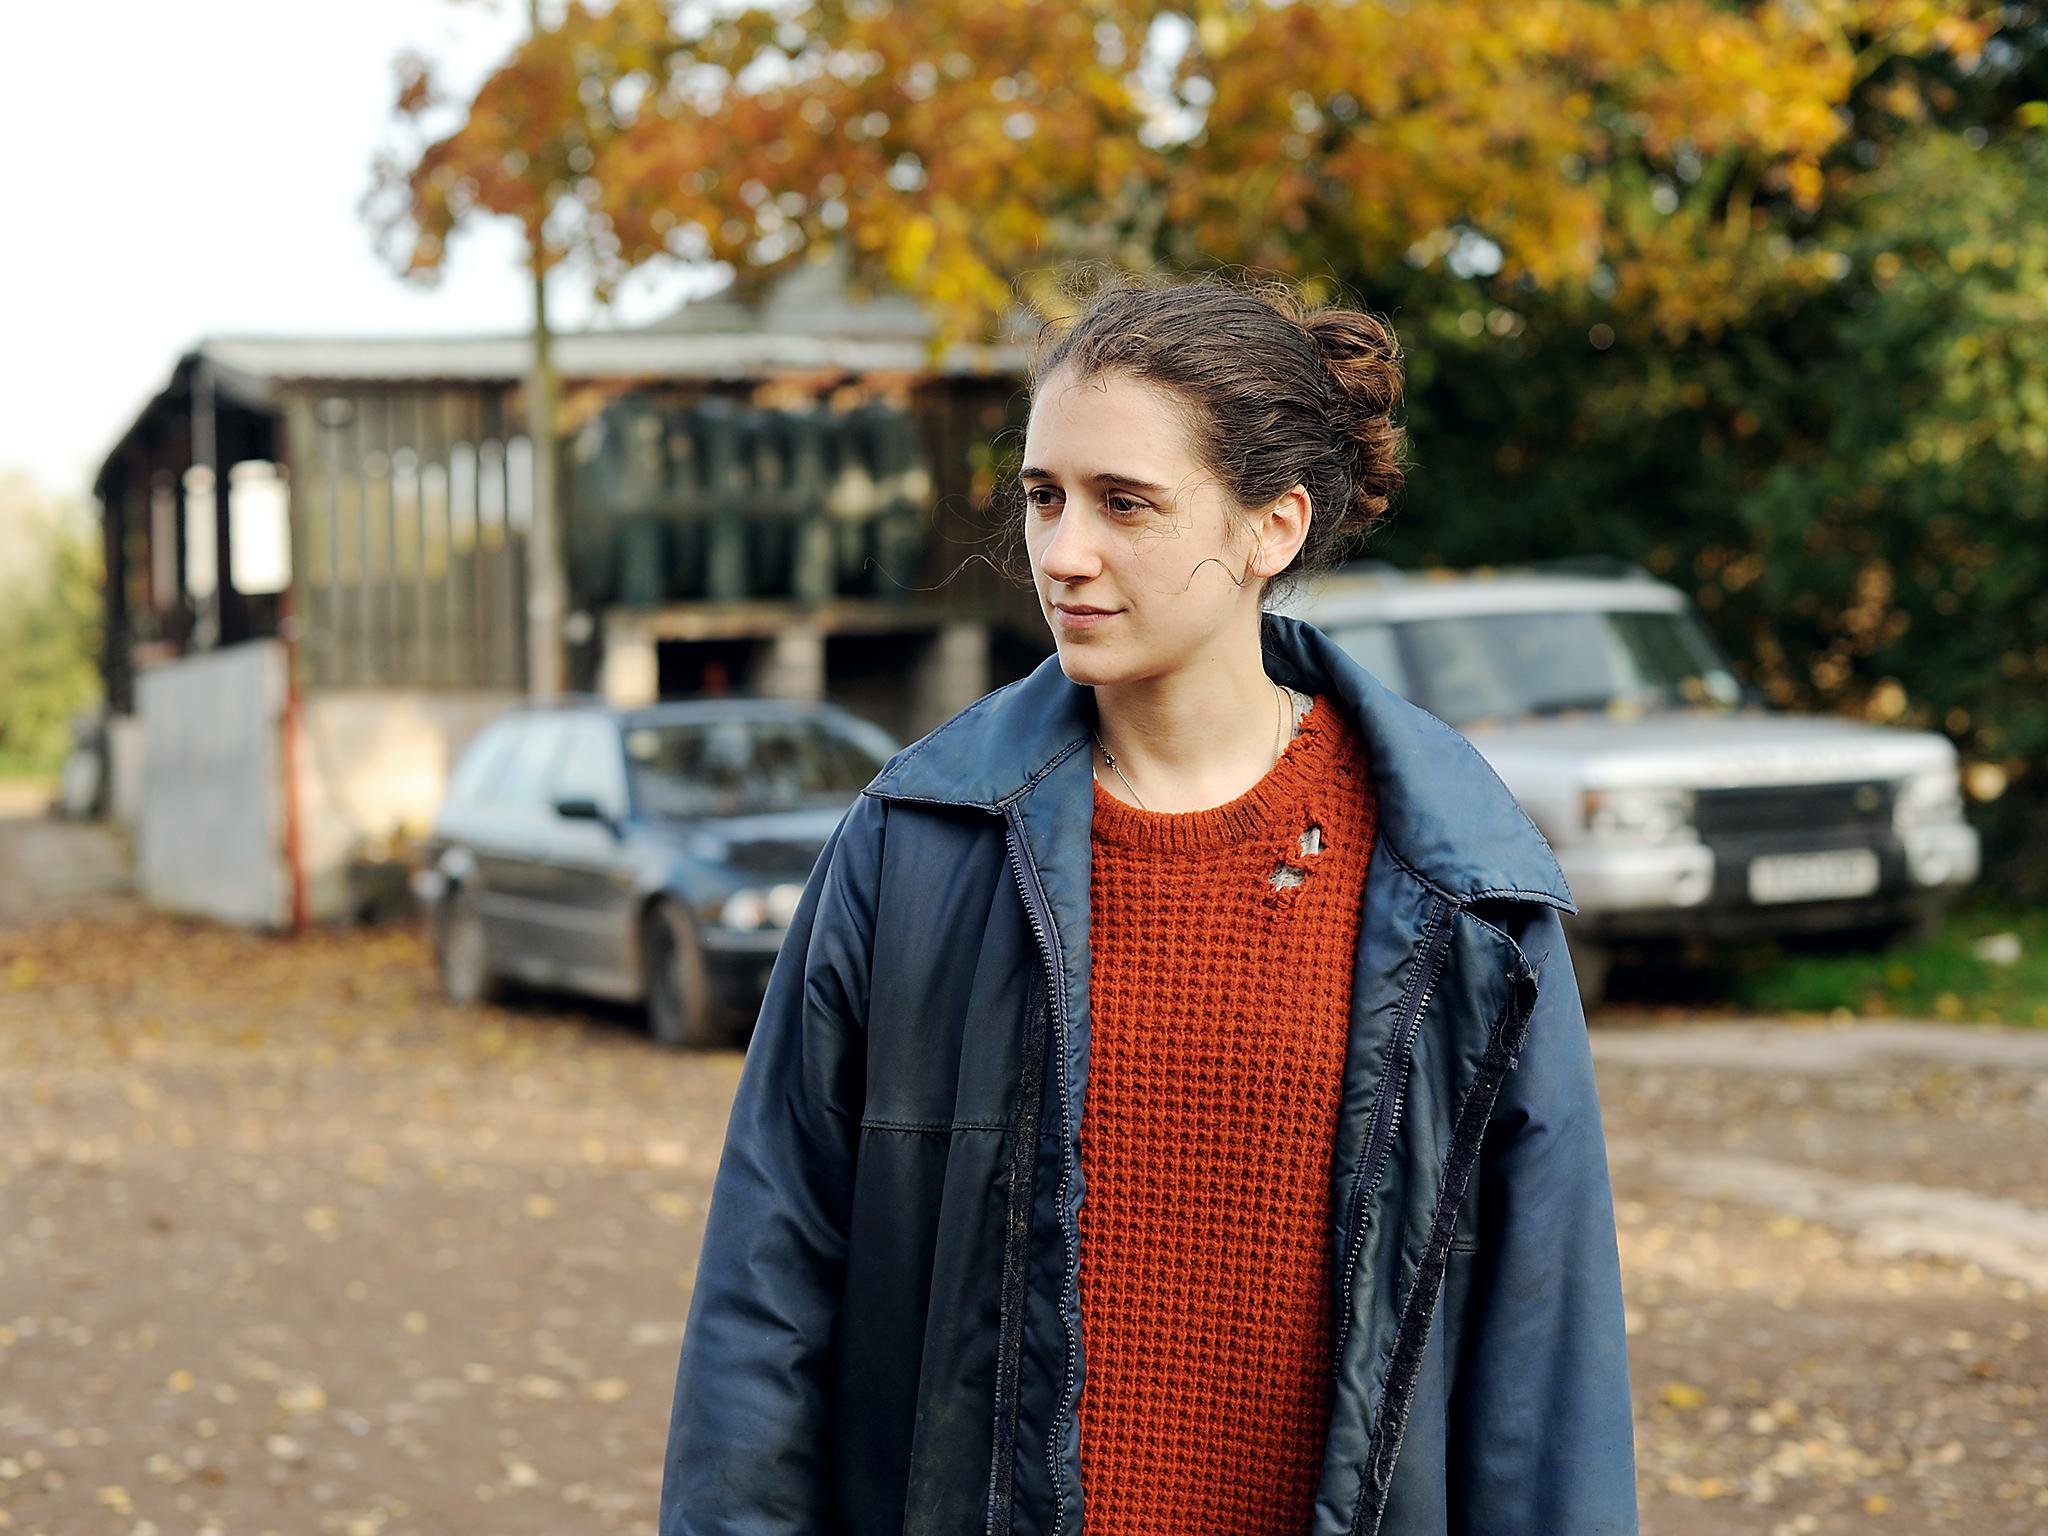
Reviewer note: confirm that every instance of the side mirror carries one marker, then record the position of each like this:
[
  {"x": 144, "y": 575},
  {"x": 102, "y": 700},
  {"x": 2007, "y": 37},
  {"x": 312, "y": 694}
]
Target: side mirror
[{"x": 582, "y": 809}]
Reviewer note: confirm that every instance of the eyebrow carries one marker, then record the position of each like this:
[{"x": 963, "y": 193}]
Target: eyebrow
[{"x": 1101, "y": 477}]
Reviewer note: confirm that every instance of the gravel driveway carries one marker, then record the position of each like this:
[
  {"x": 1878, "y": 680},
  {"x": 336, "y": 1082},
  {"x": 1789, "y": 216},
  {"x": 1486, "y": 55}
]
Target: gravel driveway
[{"x": 288, "y": 1246}]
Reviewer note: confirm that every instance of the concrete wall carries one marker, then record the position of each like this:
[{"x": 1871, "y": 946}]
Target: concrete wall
[{"x": 372, "y": 765}]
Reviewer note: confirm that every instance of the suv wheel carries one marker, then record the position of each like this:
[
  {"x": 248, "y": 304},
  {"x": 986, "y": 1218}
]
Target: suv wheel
[{"x": 679, "y": 1011}]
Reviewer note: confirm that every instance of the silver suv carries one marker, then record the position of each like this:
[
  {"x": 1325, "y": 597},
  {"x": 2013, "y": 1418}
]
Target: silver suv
[{"x": 1680, "y": 805}]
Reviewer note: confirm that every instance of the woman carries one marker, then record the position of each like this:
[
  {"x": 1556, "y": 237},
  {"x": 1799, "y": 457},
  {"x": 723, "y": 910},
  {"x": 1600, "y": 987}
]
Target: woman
[{"x": 1171, "y": 1110}]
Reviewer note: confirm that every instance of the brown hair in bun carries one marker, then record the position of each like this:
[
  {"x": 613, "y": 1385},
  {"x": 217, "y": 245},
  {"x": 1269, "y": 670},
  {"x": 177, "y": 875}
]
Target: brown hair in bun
[{"x": 1278, "y": 390}]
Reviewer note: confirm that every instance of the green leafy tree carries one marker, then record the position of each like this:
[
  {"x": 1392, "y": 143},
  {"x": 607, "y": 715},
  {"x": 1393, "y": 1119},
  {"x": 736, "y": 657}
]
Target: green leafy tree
[{"x": 49, "y": 645}]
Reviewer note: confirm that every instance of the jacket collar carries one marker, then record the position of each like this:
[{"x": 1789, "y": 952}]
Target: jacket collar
[{"x": 1442, "y": 809}]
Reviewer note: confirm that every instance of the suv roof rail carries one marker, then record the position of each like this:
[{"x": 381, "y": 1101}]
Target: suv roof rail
[{"x": 1589, "y": 565}]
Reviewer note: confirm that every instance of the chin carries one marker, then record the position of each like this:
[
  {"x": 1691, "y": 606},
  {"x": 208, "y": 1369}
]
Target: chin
[
  {"x": 1097, "y": 666},
  {"x": 1083, "y": 669}
]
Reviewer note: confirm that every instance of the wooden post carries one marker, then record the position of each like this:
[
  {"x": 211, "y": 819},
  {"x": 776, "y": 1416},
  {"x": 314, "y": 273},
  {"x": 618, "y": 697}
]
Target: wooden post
[
  {"x": 206, "y": 450},
  {"x": 117, "y": 504}
]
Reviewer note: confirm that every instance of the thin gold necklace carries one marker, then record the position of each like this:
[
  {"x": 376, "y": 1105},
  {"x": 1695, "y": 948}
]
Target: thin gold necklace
[{"x": 1278, "y": 751}]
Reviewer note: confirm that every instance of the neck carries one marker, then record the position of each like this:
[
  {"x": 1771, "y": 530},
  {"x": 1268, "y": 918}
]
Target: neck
[{"x": 1196, "y": 737}]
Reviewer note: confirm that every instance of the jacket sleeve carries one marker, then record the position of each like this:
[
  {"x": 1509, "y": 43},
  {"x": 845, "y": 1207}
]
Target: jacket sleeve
[
  {"x": 748, "y": 1443},
  {"x": 1541, "y": 1435}
]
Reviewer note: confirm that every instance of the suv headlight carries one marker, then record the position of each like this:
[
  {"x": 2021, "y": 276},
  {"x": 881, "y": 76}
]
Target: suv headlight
[
  {"x": 750, "y": 908},
  {"x": 1639, "y": 815},
  {"x": 1930, "y": 798}
]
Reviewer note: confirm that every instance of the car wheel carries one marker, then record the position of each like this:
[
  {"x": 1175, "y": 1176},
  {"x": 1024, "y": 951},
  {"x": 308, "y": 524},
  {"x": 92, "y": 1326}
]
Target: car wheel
[
  {"x": 462, "y": 954},
  {"x": 679, "y": 1011}
]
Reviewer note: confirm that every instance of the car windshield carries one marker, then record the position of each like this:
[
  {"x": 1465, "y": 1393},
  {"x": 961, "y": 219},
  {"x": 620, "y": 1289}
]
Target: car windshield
[
  {"x": 738, "y": 767},
  {"x": 1505, "y": 666}
]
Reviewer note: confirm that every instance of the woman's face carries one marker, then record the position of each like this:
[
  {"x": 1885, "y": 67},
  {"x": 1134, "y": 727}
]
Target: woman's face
[{"x": 1135, "y": 552}]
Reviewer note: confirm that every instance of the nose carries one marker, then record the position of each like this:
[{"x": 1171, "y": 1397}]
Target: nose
[{"x": 1070, "y": 555}]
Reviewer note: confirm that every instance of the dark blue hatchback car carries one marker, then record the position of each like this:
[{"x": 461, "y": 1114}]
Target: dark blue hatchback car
[{"x": 648, "y": 854}]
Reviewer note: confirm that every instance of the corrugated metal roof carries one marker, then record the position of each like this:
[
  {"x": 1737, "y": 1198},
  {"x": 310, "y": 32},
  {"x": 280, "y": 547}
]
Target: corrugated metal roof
[
  {"x": 804, "y": 320},
  {"x": 591, "y": 354}
]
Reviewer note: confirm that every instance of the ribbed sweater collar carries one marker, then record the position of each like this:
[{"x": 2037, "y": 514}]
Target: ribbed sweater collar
[{"x": 1304, "y": 766}]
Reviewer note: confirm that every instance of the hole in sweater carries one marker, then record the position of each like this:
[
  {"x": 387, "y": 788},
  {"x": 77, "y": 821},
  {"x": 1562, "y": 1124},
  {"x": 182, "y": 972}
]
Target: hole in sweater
[
  {"x": 1286, "y": 876},
  {"x": 1311, "y": 841}
]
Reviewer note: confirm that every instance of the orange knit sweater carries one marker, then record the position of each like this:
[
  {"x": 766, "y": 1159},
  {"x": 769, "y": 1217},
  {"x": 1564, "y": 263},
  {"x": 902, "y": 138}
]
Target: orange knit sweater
[{"x": 1220, "y": 998}]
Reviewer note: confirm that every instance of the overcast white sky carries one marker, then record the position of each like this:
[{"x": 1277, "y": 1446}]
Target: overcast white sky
[{"x": 192, "y": 169}]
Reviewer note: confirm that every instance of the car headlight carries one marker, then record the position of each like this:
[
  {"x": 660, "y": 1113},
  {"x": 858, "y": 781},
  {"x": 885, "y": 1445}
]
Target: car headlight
[
  {"x": 1639, "y": 815},
  {"x": 1930, "y": 798},
  {"x": 751, "y": 908}
]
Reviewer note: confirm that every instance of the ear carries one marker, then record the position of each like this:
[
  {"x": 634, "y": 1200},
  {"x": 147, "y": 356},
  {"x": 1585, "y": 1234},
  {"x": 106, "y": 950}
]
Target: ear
[{"x": 1280, "y": 530}]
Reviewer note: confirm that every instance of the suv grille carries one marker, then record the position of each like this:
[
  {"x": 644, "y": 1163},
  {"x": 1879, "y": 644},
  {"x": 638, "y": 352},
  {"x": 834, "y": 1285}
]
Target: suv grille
[{"x": 1793, "y": 808}]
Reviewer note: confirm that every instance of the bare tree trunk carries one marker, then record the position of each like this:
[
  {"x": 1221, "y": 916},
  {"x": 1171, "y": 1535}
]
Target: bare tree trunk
[{"x": 546, "y": 597}]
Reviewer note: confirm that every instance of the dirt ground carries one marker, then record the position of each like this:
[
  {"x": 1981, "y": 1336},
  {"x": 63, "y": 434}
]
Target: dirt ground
[{"x": 287, "y": 1245}]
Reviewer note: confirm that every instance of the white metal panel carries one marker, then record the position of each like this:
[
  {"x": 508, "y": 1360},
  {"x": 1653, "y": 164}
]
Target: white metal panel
[{"x": 210, "y": 840}]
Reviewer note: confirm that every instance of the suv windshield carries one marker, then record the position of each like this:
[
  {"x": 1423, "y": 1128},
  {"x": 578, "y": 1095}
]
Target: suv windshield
[
  {"x": 1504, "y": 666},
  {"x": 750, "y": 767}
]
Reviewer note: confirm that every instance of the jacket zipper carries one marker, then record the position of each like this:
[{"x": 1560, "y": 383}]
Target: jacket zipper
[
  {"x": 999, "y": 1513},
  {"x": 1378, "y": 1474},
  {"x": 1039, "y": 911},
  {"x": 1386, "y": 1119}
]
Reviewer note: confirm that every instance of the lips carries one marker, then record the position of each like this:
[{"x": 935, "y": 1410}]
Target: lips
[{"x": 1080, "y": 618}]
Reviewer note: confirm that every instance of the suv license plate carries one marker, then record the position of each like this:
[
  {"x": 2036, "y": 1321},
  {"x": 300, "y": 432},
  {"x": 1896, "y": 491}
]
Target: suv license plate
[{"x": 1812, "y": 876}]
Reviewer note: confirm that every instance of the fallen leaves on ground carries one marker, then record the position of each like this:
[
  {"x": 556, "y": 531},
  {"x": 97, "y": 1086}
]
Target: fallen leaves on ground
[{"x": 289, "y": 1245}]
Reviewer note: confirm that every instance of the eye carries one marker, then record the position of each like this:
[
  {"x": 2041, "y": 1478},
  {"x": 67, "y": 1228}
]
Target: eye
[{"x": 1123, "y": 508}]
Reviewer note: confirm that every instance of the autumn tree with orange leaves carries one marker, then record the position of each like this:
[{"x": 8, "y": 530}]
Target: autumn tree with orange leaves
[{"x": 953, "y": 147}]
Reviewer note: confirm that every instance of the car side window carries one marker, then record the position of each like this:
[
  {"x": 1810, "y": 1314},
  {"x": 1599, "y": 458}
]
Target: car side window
[
  {"x": 481, "y": 763},
  {"x": 591, "y": 767},
  {"x": 521, "y": 784}
]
